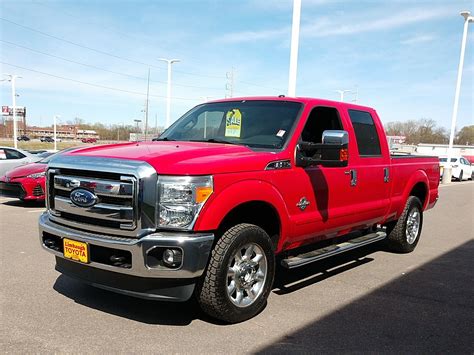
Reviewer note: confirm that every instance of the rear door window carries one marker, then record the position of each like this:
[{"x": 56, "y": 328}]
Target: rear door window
[{"x": 366, "y": 133}]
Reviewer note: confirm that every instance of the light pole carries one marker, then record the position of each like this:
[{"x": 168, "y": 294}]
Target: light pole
[
  {"x": 447, "y": 174},
  {"x": 137, "y": 122},
  {"x": 168, "y": 95},
  {"x": 342, "y": 92},
  {"x": 295, "y": 37},
  {"x": 54, "y": 132},
  {"x": 12, "y": 79}
]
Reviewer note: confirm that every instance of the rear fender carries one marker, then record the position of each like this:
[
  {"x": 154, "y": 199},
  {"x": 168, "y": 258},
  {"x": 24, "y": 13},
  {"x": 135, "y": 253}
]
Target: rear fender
[{"x": 417, "y": 177}]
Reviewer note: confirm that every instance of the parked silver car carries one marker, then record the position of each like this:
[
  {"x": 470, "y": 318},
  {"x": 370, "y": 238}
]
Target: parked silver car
[{"x": 11, "y": 158}]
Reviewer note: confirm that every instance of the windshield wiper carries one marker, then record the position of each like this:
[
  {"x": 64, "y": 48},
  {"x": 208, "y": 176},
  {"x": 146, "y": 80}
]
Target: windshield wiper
[
  {"x": 162, "y": 139},
  {"x": 213, "y": 140}
]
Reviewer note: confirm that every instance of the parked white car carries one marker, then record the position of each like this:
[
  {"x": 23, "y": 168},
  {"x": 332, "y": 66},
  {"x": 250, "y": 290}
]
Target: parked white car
[
  {"x": 462, "y": 169},
  {"x": 11, "y": 158}
]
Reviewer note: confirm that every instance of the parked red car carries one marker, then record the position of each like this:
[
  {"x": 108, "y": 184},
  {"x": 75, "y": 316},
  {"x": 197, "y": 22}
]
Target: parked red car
[
  {"x": 89, "y": 140},
  {"x": 27, "y": 182}
]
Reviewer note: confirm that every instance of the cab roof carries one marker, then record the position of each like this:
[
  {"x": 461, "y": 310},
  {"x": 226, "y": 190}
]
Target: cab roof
[{"x": 303, "y": 100}]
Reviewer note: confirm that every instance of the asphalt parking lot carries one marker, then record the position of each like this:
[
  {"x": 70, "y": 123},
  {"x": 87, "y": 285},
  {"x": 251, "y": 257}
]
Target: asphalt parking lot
[{"x": 364, "y": 301}]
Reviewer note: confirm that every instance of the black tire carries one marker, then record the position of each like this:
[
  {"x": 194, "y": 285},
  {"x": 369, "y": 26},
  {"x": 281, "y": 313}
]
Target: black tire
[
  {"x": 397, "y": 238},
  {"x": 460, "y": 176},
  {"x": 212, "y": 292}
]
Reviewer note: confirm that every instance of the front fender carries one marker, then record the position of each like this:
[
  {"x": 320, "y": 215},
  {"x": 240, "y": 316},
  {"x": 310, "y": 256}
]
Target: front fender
[{"x": 236, "y": 194}]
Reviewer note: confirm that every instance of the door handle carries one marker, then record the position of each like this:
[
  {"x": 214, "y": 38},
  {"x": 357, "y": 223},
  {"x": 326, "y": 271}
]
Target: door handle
[
  {"x": 353, "y": 174},
  {"x": 386, "y": 175}
]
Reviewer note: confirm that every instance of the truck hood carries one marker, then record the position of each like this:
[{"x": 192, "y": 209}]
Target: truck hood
[{"x": 185, "y": 158}]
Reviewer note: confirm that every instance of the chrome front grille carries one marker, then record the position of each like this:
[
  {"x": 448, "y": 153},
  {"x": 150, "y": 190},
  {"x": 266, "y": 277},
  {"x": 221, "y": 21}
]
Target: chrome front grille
[
  {"x": 126, "y": 195},
  {"x": 116, "y": 200}
]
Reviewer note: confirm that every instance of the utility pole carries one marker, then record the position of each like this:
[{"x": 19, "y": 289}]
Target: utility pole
[
  {"x": 295, "y": 37},
  {"x": 118, "y": 131},
  {"x": 447, "y": 173},
  {"x": 168, "y": 95},
  {"x": 54, "y": 132},
  {"x": 147, "y": 101},
  {"x": 229, "y": 86},
  {"x": 206, "y": 99},
  {"x": 12, "y": 79}
]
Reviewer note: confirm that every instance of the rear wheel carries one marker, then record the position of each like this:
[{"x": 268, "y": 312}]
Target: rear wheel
[
  {"x": 404, "y": 234},
  {"x": 239, "y": 276}
]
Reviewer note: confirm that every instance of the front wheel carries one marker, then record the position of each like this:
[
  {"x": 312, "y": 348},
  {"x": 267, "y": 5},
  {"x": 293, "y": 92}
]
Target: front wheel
[
  {"x": 404, "y": 234},
  {"x": 460, "y": 175},
  {"x": 239, "y": 276}
]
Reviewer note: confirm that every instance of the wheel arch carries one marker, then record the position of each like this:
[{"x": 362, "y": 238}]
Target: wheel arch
[
  {"x": 250, "y": 201},
  {"x": 417, "y": 185}
]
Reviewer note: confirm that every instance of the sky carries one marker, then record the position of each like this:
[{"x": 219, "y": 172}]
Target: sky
[{"x": 90, "y": 59}]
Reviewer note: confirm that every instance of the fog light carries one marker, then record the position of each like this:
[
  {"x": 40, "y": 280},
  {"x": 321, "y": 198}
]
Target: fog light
[{"x": 172, "y": 257}]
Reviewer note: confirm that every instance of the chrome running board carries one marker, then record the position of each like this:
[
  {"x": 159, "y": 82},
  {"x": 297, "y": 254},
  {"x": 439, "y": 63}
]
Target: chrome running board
[{"x": 334, "y": 249}]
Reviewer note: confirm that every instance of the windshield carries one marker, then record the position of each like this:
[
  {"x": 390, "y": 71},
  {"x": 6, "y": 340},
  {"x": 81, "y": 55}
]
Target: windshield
[
  {"x": 444, "y": 160},
  {"x": 259, "y": 124}
]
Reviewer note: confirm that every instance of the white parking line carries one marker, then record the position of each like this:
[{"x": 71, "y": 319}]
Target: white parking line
[{"x": 32, "y": 211}]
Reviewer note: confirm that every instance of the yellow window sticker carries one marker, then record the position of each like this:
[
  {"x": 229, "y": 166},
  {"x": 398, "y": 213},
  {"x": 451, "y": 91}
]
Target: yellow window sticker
[{"x": 233, "y": 123}]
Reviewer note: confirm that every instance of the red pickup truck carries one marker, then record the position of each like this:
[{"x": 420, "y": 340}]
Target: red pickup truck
[{"x": 228, "y": 191}]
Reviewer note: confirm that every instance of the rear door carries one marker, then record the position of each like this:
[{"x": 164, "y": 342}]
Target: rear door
[{"x": 371, "y": 162}]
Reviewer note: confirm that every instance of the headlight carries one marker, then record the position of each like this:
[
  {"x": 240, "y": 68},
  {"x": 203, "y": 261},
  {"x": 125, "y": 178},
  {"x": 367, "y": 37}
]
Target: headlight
[
  {"x": 181, "y": 199},
  {"x": 36, "y": 175}
]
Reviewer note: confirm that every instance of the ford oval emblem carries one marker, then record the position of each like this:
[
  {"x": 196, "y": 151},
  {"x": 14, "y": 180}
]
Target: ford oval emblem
[{"x": 83, "y": 198}]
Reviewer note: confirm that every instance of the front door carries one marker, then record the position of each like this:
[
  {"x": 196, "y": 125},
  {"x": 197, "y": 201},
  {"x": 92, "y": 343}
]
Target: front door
[{"x": 321, "y": 199}]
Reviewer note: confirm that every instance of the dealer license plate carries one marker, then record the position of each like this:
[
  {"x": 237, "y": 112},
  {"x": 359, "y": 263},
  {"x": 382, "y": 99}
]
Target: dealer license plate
[{"x": 75, "y": 250}]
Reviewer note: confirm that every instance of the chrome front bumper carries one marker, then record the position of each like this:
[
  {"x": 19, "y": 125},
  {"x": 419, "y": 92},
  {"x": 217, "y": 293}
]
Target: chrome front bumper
[{"x": 196, "y": 249}]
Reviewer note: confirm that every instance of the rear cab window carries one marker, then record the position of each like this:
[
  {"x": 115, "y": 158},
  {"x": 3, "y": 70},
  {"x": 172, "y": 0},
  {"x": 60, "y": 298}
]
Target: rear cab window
[{"x": 367, "y": 137}]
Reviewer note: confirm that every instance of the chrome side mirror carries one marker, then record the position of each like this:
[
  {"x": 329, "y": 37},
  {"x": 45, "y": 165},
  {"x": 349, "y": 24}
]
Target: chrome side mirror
[{"x": 335, "y": 137}]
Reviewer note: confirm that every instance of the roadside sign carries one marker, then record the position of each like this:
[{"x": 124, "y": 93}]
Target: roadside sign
[{"x": 8, "y": 111}]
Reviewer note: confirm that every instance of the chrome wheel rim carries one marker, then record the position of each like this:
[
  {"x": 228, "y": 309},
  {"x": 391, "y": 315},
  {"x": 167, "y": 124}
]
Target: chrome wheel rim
[
  {"x": 413, "y": 225},
  {"x": 246, "y": 275}
]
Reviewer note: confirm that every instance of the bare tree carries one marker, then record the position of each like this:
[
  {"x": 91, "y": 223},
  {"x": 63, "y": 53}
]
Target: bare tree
[{"x": 418, "y": 131}]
